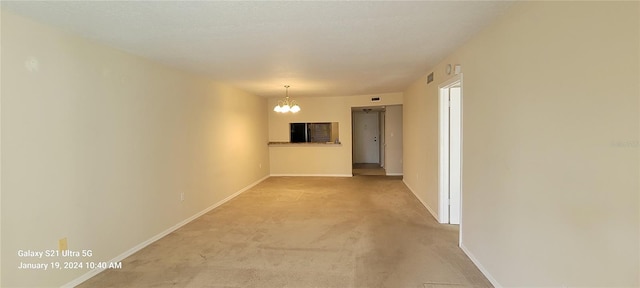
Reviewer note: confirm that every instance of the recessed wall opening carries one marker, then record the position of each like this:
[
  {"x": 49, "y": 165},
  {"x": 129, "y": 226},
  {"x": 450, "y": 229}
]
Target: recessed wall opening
[
  {"x": 371, "y": 131},
  {"x": 450, "y": 171}
]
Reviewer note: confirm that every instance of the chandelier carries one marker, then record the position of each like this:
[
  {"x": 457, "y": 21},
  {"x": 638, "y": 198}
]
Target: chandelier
[{"x": 287, "y": 105}]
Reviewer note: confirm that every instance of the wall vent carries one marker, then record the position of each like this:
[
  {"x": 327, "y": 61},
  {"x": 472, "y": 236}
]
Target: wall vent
[{"x": 430, "y": 78}]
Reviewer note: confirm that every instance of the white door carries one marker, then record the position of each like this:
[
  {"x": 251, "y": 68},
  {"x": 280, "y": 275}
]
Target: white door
[
  {"x": 455, "y": 153},
  {"x": 450, "y": 151},
  {"x": 366, "y": 134}
]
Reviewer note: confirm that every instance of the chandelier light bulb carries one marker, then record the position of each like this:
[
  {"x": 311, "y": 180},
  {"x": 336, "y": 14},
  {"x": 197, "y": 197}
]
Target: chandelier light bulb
[{"x": 286, "y": 105}]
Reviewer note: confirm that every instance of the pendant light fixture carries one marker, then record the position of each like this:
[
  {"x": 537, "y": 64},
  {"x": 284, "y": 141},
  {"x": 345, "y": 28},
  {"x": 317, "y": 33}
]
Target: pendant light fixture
[{"x": 287, "y": 105}]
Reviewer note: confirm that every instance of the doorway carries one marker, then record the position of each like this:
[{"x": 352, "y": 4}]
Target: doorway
[
  {"x": 367, "y": 150},
  {"x": 450, "y": 162}
]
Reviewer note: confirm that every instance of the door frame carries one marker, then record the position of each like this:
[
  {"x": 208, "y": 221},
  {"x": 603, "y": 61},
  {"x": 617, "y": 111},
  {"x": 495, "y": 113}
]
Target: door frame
[
  {"x": 443, "y": 156},
  {"x": 381, "y": 139}
]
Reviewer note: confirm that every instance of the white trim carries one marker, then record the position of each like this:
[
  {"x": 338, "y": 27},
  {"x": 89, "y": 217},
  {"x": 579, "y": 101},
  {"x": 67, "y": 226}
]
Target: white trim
[
  {"x": 461, "y": 156},
  {"x": 311, "y": 175},
  {"x": 435, "y": 216},
  {"x": 157, "y": 237},
  {"x": 395, "y": 174},
  {"x": 484, "y": 271},
  {"x": 443, "y": 155}
]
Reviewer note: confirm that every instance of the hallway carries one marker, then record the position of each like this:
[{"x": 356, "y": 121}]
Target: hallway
[{"x": 365, "y": 231}]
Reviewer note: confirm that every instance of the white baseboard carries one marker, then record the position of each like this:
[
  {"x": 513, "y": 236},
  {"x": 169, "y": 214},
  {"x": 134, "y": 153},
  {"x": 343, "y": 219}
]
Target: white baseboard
[
  {"x": 396, "y": 174},
  {"x": 484, "y": 271},
  {"x": 466, "y": 251},
  {"x": 155, "y": 238},
  {"x": 423, "y": 203},
  {"x": 311, "y": 175}
]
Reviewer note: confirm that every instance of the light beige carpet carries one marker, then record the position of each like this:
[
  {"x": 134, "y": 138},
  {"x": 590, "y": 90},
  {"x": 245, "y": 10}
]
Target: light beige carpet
[{"x": 365, "y": 231}]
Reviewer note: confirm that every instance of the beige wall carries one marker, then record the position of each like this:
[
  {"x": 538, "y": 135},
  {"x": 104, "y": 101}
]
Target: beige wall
[
  {"x": 550, "y": 153},
  {"x": 318, "y": 159},
  {"x": 97, "y": 146},
  {"x": 393, "y": 140},
  {"x": 420, "y": 144}
]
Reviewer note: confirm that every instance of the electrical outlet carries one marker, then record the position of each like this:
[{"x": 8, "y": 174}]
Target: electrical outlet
[
  {"x": 62, "y": 244},
  {"x": 181, "y": 196}
]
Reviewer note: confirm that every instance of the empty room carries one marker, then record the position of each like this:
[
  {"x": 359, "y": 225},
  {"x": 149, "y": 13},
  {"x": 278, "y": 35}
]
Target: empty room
[{"x": 421, "y": 144}]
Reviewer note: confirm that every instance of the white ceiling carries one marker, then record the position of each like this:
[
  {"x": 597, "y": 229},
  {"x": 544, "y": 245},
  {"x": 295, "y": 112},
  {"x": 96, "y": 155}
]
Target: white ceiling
[{"x": 319, "y": 48}]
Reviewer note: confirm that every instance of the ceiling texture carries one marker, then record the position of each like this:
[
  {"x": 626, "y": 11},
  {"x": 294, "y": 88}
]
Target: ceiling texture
[{"x": 319, "y": 48}]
